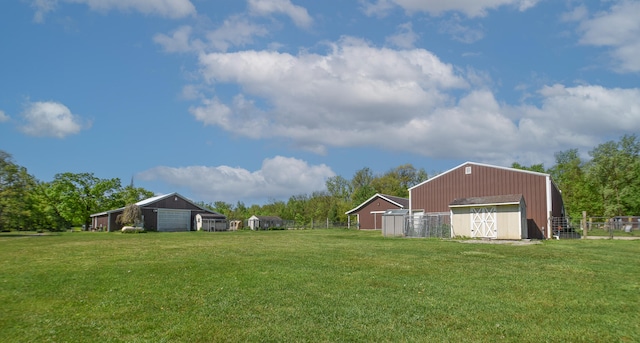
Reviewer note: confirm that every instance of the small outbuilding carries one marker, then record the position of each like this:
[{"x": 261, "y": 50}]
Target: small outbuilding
[
  {"x": 393, "y": 222},
  {"x": 210, "y": 222},
  {"x": 369, "y": 213},
  {"x": 497, "y": 217},
  {"x": 265, "y": 222}
]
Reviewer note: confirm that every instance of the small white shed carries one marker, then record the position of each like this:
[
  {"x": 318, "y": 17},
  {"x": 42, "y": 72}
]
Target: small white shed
[
  {"x": 264, "y": 222},
  {"x": 210, "y": 222},
  {"x": 497, "y": 217},
  {"x": 393, "y": 222}
]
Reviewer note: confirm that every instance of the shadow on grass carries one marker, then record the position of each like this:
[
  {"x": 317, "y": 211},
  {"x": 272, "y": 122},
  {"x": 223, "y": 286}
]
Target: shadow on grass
[{"x": 22, "y": 235}]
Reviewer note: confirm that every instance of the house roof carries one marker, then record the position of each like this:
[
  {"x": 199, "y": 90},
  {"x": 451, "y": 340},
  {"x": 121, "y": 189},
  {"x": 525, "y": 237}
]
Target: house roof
[
  {"x": 488, "y": 200},
  {"x": 478, "y": 164},
  {"x": 149, "y": 201},
  {"x": 398, "y": 201}
]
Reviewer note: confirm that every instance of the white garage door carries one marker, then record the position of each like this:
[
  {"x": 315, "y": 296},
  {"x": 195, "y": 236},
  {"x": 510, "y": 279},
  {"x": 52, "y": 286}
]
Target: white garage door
[{"x": 173, "y": 220}]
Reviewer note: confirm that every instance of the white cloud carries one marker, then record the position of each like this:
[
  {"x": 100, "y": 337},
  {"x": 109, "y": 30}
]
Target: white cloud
[
  {"x": 353, "y": 89},
  {"x": 50, "y": 119},
  {"x": 407, "y": 100},
  {"x": 178, "y": 41},
  {"x": 471, "y": 8},
  {"x": 279, "y": 178},
  {"x": 459, "y": 32},
  {"x": 235, "y": 31},
  {"x": 164, "y": 8},
  {"x": 618, "y": 29},
  {"x": 405, "y": 38},
  {"x": 42, "y": 7},
  {"x": 3, "y": 117},
  {"x": 298, "y": 14}
]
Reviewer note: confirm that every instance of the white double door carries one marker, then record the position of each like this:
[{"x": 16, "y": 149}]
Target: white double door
[{"x": 483, "y": 222}]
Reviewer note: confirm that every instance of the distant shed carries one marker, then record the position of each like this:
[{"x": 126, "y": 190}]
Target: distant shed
[
  {"x": 210, "y": 222},
  {"x": 393, "y": 222},
  {"x": 264, "y": 222}
]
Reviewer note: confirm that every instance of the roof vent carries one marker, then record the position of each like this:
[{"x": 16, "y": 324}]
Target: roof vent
[{"x": 467, "y": 170}]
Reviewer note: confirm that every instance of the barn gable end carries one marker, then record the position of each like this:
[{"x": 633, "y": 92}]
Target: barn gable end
[
  {"x": 472, "y": 179},
  {"x": 369, "y": 213}
]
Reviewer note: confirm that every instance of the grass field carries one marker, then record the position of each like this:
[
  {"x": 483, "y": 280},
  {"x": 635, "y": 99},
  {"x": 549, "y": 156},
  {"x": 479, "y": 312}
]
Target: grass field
[{"x": 314, "y": 286}]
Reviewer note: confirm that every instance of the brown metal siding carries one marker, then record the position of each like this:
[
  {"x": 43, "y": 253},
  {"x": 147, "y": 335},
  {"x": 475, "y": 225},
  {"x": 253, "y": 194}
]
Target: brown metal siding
[
  {"x": 150, "y": 219},
  {"x": 366, "y": 218},
  {"x": 437, "y": 194},
  {"x": 100, "y": 222}
]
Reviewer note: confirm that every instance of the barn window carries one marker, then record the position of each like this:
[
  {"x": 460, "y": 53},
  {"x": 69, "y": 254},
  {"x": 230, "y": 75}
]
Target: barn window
[{"x": 467, "y": 170}]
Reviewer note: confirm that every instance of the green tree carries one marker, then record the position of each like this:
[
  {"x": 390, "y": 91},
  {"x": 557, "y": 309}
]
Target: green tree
[
  {"x": 534, "y": 167},
  {"x": 16, "y": 186},
  {"x": 362, "y": 185},
  {"x": 339, "y": 187},
  {"x": 615, "y": 171},
  {"x": 77, "y": 196},
  {"x": 398, "y": 180},
  {"x": 578, "y": 192},
  {"x": 130, "y": 195}
]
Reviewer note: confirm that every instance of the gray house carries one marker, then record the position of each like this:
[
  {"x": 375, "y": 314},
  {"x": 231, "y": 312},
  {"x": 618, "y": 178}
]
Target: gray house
[{"x": 169, "y": 212}]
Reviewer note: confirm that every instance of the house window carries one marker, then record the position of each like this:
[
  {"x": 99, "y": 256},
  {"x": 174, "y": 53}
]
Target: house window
[{"x": 467, "y": 170}]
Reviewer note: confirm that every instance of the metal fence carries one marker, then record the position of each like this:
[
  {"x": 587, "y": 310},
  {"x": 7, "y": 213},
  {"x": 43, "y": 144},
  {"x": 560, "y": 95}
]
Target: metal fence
[
  {"x": 428, "y": 225},
  {"x": 565, "y": 227},
  {"x": 293, "y": 225}
]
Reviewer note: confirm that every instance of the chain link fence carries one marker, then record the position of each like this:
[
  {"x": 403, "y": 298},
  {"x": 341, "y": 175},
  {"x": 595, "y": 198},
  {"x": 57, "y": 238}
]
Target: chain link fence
[
  {"x": 428, "y": 225},
  {"x": 620, "y": 226}
]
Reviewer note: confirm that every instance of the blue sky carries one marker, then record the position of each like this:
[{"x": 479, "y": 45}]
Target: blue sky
[{"x": 258, "y": 100}]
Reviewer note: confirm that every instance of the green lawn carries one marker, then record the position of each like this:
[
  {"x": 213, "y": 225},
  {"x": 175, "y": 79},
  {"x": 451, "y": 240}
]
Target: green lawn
[{"x": 314, "y": 286}]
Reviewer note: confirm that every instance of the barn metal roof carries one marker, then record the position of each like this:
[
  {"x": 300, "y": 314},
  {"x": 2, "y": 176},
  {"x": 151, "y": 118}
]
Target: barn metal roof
[
  {"x": 488, "y": 200},
  {"x": 478, "y": 164},
  {"x": 145, "y": 202},
  {"x": 398, "y": 201}
]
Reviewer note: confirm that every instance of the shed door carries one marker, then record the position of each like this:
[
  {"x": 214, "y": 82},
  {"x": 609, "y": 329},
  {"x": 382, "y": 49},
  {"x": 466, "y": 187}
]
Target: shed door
[
  {"x": 483, "y": 222},
  {"x": 173, "y": 220}
]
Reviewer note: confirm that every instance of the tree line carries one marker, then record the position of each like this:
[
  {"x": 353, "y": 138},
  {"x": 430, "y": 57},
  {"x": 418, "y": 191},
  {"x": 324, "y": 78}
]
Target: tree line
[
  {"x": 340, "y": 196},
  {"x": 606, "y": 184},
  {"x": 68, "y": 201}
]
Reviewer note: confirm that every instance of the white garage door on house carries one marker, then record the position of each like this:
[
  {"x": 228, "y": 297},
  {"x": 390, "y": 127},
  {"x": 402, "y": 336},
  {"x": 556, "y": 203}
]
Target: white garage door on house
[{"x": 174, "y": 220}]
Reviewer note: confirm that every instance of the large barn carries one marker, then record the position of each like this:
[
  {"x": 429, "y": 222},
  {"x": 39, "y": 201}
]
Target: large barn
[
  {"x": 169, "y": 212},
  {"x": 474, "y": 181},
  {"x": 369, "y": 213}
]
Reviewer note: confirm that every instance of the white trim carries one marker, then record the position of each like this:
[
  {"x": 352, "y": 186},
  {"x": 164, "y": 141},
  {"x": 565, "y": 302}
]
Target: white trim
[
  {"x": 383, "y": 196},
  {"x": 488, "y": 204},
  {"x": 549, "y": 205}
]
